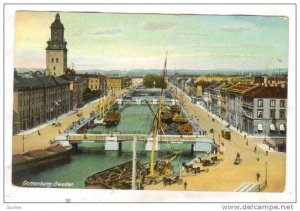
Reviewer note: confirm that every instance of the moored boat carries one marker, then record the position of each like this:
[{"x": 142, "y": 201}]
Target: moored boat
[
  {"x": 185, "y": 129},
  {"x": 112, "y": 119},
  {"x": 40, "y": 158},
  {"x": 178, "y": 118}
]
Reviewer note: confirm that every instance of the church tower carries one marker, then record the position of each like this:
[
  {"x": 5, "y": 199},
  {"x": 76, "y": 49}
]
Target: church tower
[{"x": 56, "y": 51}]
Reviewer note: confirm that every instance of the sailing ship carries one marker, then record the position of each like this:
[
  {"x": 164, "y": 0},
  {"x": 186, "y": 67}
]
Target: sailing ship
[{"x": 132, "y": 174}]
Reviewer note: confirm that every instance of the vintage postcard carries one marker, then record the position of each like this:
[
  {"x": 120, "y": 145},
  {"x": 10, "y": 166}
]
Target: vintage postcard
[{"x": 150, "y": 102}]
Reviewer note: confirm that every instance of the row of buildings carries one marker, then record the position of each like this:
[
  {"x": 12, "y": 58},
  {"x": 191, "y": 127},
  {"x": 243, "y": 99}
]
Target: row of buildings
[
  {"x": 39, "y": 97},
  {"x": 256, "y": 105}
]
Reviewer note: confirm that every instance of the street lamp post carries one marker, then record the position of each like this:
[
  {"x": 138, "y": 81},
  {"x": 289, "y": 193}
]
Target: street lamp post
[
  {"x": 23, "y": 143},
  {"x": 266, "y": 179}
]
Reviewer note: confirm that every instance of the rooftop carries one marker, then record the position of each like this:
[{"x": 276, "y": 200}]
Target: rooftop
[
  {"x": 92, "y": 75},
  {"x": 267, "y": 92},
  {"x": 38, "y": 81},
  {"x": 240, "y": 88}
]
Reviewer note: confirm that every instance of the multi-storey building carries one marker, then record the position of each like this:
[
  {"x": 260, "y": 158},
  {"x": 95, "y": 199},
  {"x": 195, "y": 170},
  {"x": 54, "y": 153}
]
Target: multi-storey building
[
  {"x": 94, "y": 82},
  {"x": 223, "y": 92},
  {"x": 214, "y": 97},
  {"x": 76, "y": 90},
  {"x": 39, "y": 99},
  {"x": 234, "y": 101},
  {"x": 199, "y": 87},
  {"x": 264, "y": 111},
  {"x": 114, "y": 83}
]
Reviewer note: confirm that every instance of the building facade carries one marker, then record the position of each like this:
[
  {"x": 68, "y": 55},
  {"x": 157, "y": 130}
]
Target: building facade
[
  {"x": 114, "y": 83},
  {"x": 76, "y": 90},
  {"x": 56, "y": 51},
  {"x": 136, "y": 80},
  {"x": 265, "y": 111},
  {"x": 39, "y": 99},
  {"x": 234, "y": 101}
]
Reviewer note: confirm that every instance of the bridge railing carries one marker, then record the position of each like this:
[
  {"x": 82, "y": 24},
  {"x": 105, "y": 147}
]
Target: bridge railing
[{"x": 129, "y": 137}]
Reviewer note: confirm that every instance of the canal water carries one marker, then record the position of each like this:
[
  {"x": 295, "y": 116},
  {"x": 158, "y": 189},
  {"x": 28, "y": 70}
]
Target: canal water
[{"x": 93, "y": 158}]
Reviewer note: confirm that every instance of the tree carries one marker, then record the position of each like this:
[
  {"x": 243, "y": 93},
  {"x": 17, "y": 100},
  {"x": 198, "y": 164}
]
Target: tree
[{"x": 153, "y": 80}]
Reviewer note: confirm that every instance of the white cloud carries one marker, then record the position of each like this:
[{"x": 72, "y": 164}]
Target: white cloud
[{"x": 157, "y": 26}]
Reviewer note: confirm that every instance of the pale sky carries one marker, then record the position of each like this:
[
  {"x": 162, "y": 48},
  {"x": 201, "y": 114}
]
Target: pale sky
[{"x": 140, "y": 41}]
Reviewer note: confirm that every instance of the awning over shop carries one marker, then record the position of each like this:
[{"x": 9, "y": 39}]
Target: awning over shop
[
  {"x": 260, "y": 127},
  {"x": 282, "y": 127},
  {"x": 272, "y": 127}
]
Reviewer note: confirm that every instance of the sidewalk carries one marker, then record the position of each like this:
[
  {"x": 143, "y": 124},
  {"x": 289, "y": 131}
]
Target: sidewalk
[
  {"x": 47, "y": 123},
  {"x": 225, "y": 123}
]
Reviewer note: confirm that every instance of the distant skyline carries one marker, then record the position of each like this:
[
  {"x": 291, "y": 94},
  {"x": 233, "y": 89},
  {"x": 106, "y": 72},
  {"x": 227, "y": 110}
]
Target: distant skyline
[{"x": 113, "y": 41}]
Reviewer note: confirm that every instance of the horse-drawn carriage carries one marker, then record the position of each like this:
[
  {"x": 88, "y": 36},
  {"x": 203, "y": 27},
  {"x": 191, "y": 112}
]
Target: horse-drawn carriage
[
  {"x": 56, "y": 124},
  {"x": 169, "y": 180}
]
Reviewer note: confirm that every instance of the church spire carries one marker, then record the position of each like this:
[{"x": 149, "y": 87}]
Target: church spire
[{"x": 57, "y": 17}]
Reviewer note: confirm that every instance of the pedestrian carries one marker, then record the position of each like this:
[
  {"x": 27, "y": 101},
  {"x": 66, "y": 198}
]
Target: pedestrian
[
  {"x": 257, "y": 176},
  {"x": 244, "y": 136},
  {"x": 185, "y": 185},
  {"x": 59, "y": 131},
  {"x": 247, "y": 143},
  {"x": 39, "y": 132},
  {"x": 255, "y": 149},
  {"x": 267, "y": 152}
]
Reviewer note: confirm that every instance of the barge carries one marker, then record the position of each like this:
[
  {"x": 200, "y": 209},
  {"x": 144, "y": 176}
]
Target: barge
[
  {"x": 41, "y": 158},
  {"x": 112, "y": 119},
  {"x": 120, "y": 176}
]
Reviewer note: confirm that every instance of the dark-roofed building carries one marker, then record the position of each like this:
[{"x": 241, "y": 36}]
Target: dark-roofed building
[
  {"x": 38, "y": 99},
  {"x": 76, "y": 90},
  {"x": 265, "y": 111}
]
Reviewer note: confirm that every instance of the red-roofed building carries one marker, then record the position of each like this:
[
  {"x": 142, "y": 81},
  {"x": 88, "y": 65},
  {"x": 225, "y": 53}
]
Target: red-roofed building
[{"x": 265, "y": 111}]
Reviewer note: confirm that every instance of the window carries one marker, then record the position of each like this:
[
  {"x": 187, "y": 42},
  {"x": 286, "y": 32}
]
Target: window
[
  {"x": 272, "y": 103},
  {"x": 52, "y": 60},
  {"x": 282, "y": 103},
  {"x": 260, "y": 127},
  {"x": 260, "y": 103},
  {"x": 282, "y": 114},
  {"x": 53, "y": 67},
  {"x": 272, "y": 114},
  {"x": 56, "y": 60},
  {"x": 260, "y": 114}
]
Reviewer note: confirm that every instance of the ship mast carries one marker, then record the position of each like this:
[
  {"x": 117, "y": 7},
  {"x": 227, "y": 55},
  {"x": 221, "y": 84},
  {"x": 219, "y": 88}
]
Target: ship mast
[{"x": 157, "y": 119}]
